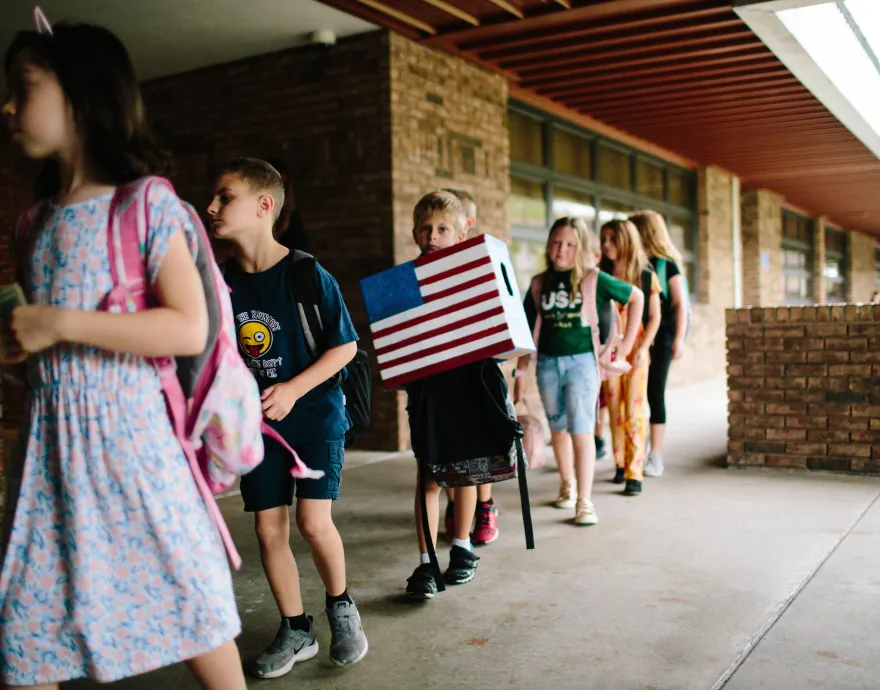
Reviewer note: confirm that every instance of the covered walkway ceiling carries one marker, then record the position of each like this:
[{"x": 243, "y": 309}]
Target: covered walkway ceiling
[{"x": 688, "y": 75}]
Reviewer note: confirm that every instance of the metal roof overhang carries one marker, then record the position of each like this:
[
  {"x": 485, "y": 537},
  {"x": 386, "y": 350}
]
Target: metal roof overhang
[{"x": 689, "y": 76}]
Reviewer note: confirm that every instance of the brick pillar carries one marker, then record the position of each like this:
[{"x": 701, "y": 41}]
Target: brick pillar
[
  {"x": 762, "y": 241},
  {"x": 820, "y": 294},
  {"x": 860, "y": 267},
  {"x": 449, "y": 129}
]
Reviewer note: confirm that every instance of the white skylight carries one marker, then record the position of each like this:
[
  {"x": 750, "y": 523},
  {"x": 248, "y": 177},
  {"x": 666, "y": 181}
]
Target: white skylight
[{"x": 823, "y": 31}]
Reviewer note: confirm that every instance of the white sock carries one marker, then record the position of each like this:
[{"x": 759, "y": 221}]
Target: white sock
[
  {"x": 463, "y": 543},
  {"x": 425, "y": 558}
]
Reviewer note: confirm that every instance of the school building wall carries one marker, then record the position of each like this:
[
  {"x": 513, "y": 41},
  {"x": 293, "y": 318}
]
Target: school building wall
[{"x": 371, "y": 124}]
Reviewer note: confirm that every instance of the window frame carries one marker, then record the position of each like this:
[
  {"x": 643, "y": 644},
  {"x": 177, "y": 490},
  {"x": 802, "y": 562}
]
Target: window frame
[
  {"x": 842, "y": 258},
  {"x": 547, "y": 175},
  {"x": 808, "y": 250}
]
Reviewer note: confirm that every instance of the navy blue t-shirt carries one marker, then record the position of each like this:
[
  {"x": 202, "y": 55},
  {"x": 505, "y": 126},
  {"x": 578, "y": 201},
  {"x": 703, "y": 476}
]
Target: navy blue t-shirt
[{"x": 271, "y": 340}]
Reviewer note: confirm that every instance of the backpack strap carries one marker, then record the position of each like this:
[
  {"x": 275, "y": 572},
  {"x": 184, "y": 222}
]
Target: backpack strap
[
  {"x": 590, "y": 314},
  {"x": 647, "y": 280},
  {"x": 661, "y": 275},
  {"x": 535, "y": 289},
  {"x": 303, "y": 279}
]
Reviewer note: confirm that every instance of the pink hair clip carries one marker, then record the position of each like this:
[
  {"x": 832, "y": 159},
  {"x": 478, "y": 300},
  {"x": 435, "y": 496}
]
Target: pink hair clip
[{"x": 43, "y": 25}]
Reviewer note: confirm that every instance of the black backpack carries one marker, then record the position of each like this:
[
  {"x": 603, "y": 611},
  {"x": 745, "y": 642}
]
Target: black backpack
[{"x": 357, "y": 386}]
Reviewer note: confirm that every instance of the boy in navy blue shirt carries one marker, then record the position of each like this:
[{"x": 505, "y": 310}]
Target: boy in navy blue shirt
[{"x": 302, "y": 401}]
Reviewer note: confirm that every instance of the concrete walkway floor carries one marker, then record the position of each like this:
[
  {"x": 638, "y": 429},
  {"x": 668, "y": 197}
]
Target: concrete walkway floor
[{"x": 713, "y": 578}]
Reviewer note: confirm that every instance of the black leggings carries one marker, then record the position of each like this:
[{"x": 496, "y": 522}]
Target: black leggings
[{"x": 661, "y": 358}]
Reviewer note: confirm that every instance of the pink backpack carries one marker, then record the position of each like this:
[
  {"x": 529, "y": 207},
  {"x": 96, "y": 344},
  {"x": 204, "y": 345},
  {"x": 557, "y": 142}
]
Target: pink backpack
[
  {"x": 607, "y": 365},
  {"x": 213, "y": 400}
]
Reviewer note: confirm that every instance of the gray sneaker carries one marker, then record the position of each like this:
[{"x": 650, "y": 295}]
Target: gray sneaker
[
  {"x": 288, "y": 647},
  {"x": 348, "y": 644}
]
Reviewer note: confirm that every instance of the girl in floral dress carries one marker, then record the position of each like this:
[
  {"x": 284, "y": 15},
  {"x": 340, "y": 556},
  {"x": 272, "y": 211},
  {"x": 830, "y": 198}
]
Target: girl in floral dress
[{"x": 111, "y": 565}]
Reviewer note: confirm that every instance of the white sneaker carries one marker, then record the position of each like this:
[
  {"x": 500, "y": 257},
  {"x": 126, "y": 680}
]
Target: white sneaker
[
  {"x": 567, "y": 494},
  {"x": 654, "y": 465},
  {"x": 585, "y": 515}
]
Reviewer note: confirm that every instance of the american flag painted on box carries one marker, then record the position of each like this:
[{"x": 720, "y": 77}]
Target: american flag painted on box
[{"x": 444, "y": 310}]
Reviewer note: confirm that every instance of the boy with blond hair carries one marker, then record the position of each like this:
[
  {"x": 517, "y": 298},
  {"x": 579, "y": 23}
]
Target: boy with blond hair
[
  {"x": 301, "y": 400},
  {"x": 439, "y": 222},
  {"x": 486, "y": 519}
]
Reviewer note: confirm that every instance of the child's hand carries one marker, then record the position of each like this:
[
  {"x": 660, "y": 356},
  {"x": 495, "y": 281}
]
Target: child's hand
[
  {"x": 34, "y": 328},
  {"x": 639, "y": 356},
  {"x": 279, "y": 400},
  {"x": 677, "y": 348}
]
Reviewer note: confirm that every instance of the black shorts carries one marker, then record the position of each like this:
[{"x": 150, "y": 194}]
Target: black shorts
[{"x": 271, "y": 485}]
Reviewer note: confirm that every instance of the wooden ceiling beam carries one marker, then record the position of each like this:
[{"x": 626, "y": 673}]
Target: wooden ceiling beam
[
  {"x": 453, "y": 11},
  {"x": 565, "y": 3},
  {"x": 740, "y": 103},
  {"x": 768, "y": 120},
  {"x": 738, "y": 37},
  {"x": 559, "y": 53},
  {"x": 545, "y": 21},
  {"x": 674, "y": 79},
  {"x": 572, "y": 35},
  {"x": 652, "y": 65},
  {"x": 507, "y": 7},
  {"x": 698, "y": 92},
  {"x": 693, "y": 117},
  {"x": 399, "y": 16}
]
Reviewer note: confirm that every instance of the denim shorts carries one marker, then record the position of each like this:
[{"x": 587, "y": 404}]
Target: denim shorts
[
  {"x": 569, "y": 388},
  {"x": 270, "y": 484}
]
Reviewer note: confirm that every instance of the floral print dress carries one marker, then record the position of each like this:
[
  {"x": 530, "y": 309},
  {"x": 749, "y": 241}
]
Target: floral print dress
[{"x": 111, "y": 564}]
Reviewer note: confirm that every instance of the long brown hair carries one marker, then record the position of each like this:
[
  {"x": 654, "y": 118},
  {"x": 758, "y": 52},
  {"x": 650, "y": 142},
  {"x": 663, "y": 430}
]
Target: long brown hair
[
  {"x": 631, "y": 257},
  {"x": 97, "y": 77},
  {"x": 655, "y": 236},
  {"x": 586, "y": 243}
]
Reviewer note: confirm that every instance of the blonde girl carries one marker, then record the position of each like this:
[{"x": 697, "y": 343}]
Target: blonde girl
[
  {"x": 626, "y": 395},
  {"x": 669, "y": 341},
  {"x": 568, "y": 378}
]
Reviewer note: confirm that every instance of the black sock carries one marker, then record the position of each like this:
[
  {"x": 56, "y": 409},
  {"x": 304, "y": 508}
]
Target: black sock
[
  {"x": 331, "y": 600},
  {"x": 490, "y": 502},
  {"x": 300, "y": 622}
]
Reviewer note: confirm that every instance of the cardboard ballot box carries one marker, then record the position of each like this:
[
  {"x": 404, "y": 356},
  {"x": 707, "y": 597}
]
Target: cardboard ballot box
[{"x": 446, "y": 309}]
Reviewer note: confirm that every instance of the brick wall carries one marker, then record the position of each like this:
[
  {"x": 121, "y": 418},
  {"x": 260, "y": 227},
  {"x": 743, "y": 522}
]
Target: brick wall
[
  {"x": 449, "y": 129},
  {"x": 861, "y": 267},
  {"x": 804, "y": 387},
  {"x": 762, "y": 237}
]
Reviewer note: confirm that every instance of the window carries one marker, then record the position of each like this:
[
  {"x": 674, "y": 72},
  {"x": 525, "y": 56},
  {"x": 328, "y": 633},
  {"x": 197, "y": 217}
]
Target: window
[
  {"x": 571, "y": 154},
  {"x": 526, "y": 138},
  {"x": 613, "y": 210},
  {"x": 613, "y": 168},
  {"x": 526, "y": 205},
  {"x": 797, "y": 259},
  {"x": 835, "y": 266},
  {"x": 649, "y": 179},
  {"x": 679, "y": 188},
  {"x": 570, "y": 202},
  {"x": 877, "y": 266},
  {"x": 559, "y": 169}
]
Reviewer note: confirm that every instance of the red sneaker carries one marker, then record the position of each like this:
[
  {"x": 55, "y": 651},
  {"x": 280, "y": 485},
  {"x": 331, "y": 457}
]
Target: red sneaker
[{"x": 486, "y": 529}]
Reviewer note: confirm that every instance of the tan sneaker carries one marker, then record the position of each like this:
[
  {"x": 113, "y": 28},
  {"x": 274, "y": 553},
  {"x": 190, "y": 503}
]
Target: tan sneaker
[
  {"x": 585, "y": 515},
  {"x": 567, "y": 494}
]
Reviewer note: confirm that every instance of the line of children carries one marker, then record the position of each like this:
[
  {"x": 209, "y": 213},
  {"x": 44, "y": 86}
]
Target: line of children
[
  {"x": 486, "y": 520},
  {"x": 304, "y": 404},
  {"x": 627, "y": 395},
  {"x": 567, "y": 372}
]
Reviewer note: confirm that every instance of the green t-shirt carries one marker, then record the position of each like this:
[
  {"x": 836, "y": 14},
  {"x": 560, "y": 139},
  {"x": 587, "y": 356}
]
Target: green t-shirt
[{"x": 562, "y": 333}]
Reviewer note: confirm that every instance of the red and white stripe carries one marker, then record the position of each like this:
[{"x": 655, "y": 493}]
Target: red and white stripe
[{"x": 462, "y": 318}]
